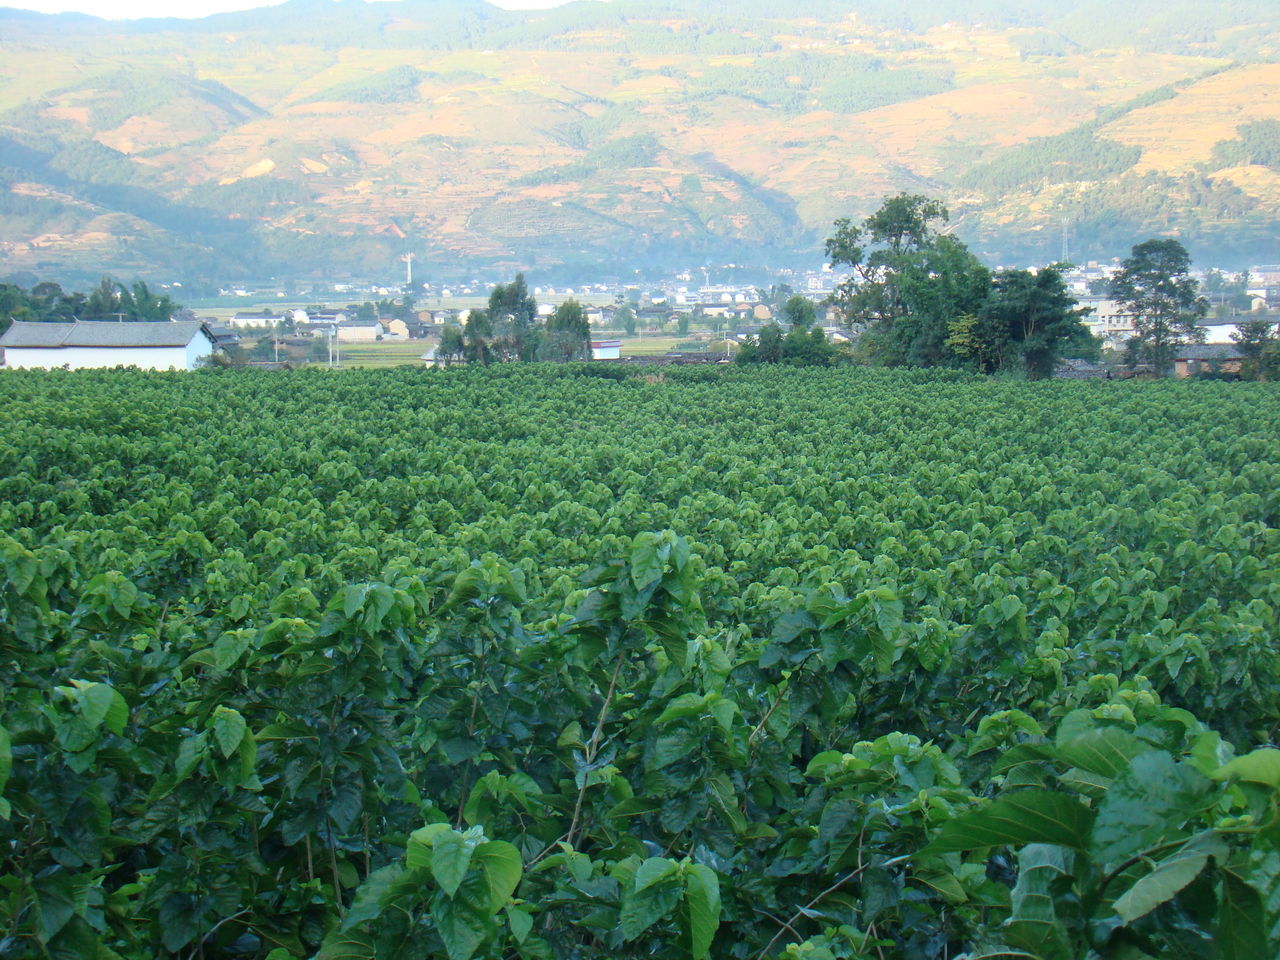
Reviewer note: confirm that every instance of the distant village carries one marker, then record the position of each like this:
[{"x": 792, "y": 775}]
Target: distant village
[
  {"x": 707, "y": 316},
  {"x": 738, "y": 310}
]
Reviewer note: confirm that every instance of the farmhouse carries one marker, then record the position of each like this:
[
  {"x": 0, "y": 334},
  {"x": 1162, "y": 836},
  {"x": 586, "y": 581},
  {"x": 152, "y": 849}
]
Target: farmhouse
[
  {"x": 89, "y": 343},
  {"x": 606, "y": 349},
  {"x": 1196, "y": 359}
]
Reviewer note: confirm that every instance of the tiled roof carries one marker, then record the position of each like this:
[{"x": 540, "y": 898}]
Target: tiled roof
[
  {"x": 101, "y": 333},
  {"x": 1208, "y": 351}
]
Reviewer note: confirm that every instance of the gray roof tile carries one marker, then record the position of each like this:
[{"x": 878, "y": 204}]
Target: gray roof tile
[{"x": 101, "y": 333}]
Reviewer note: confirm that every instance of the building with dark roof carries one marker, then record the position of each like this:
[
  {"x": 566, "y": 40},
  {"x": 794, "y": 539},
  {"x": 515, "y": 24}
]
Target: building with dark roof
[{"x": 182, "y": 345}]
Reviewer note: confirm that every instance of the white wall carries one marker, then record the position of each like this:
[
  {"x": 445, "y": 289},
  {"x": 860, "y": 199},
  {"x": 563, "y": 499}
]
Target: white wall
[
  {"x": 80, "y": 358},
  {"x": 1219, "y": 332},
  {"x": 198, "y": 350}
]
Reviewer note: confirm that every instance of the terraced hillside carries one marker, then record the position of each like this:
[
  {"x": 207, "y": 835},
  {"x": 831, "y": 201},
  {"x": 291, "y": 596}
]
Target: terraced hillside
[{"x": 337, "y": 136}]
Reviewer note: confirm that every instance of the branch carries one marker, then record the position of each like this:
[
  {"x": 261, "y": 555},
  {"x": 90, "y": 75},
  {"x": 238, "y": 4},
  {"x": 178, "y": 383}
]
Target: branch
[
  {"x": 594, "y": 745},
  {"x": 823, "y": 895}
]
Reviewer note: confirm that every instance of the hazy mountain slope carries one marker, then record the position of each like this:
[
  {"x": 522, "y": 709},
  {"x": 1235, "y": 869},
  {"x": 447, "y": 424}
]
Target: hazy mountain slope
[{"x": 334, "y": 136}]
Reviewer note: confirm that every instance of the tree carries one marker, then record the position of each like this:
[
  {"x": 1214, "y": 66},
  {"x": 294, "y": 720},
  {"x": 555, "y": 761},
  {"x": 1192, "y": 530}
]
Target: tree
[
  {"x": 1036, "y": 317},
  {"x": 626, "y": 319},
  {"x": 682, "y": 324},
  {"x": 877, "y": 250},
  {"x": 568, "y": 335},
  {"x": 1254, "y": 337},
  {"x": 476, "y": 333},
  {"x": 513, "y": 315},
  {"x": 799, "y": 347},
  {"x": 1156, "y": 286},
  {"x": 800, "y": 312},
  {"x": 453, "y": 344},
  {"x": 909, "y": 282}
]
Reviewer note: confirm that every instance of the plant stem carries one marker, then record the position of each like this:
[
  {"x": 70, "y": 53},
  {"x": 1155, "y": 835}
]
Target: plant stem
[
  {"x": 594, "y": 745},
  {"x": 820, "y": 897}
]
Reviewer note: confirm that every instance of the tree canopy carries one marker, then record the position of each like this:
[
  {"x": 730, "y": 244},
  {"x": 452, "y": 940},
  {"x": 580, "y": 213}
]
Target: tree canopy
[{"x": 1155, "y": 285}]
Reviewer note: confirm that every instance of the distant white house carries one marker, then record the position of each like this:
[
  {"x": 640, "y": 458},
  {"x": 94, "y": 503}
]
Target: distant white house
[
  {"x": 359, "y": 331},
  {"x": 90, "y": 343},
  {"x": 606, "y": 349},
  {"x": 1109, "y": 320}
]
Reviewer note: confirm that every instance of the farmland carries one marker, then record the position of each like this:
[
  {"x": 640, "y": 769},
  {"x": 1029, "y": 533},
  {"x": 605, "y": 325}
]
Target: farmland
[{"x": 558, "y": 662}]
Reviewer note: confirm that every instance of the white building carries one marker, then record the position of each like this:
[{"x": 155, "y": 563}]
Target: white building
[
  {"x": 359, "y": 331},
  {"x": 1108, "y": 320},
  {"x": 86, "y": 344},
  {"x": 606, "y": 349}
]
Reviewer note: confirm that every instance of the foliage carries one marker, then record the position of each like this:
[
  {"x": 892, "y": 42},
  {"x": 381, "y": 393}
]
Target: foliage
[
  {"x": 110, "y": 300},
  {"x": 1078, "y": 155},
  {"x": 414, "y": 664},
  {"x": 1036, "y": 318},
  {"x": 799, "y": 311},
  {"x": 568, "y": 335},
  {"x": 1155, "y": 285},
  {"x": 804, "y": 345},
  {"x": 1258, "y": 143},
  {"x": 1257, "y": 339}
]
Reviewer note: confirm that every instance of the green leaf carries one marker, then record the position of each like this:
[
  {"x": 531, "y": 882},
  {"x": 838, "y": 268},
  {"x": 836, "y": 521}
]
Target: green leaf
[
  {"x": 1241, "y": 931},
  {"x": 1044, "y": 872},
  {"x": 58, "y": 898},
  {"x": 285, "y": 731},
  {"x": 500, "y": 862},
  {"x": 1148, "y": 806},
  {"x": 228, "y": 729},
  {"x": 641, "y": 909},
  {"x": 702, "y": 894},
  {"x": 654, "y": 870},
  {"x": 1029, "y": 816},
  {"x": 649, "y": 553},
  {"x": 100, "y": 704},
  {"x": 450, "y": 859},
  {"x": 347, "y": 945},
  {"x": 520, "y": 922},
  {"x": 1260, "y": 766},
  {"x": 417, "y": 854},
  {"x": 463, "y": 923},
  {"x": 685, "y": 705},
  {"x": 1171, "y": 875},
  {"x": 1103, "y": 750},
  {"x": 379, "y": 890}
]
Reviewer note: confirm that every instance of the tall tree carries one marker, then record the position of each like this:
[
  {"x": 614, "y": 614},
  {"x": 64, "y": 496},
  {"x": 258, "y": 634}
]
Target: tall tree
[
  {"x": 1155, "y": 285},
  {"x": 476, "y": 333},
  {"x": 568, "y": 335},
  {"x": 1036, "y": 316},
  {"x": 453, "y": 344},
  {"x": 513, "y": 314},
  {"x": 876, "y": 250},
  {"x": 800, "y": 312},
  {"x": 909, "y": 280}
]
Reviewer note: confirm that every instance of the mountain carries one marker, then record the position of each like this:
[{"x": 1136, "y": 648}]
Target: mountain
[{"x": 328, "y": 137}]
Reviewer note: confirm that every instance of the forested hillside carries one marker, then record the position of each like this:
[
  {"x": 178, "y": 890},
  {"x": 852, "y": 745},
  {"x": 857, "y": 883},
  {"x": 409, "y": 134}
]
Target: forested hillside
[{"x": 321, "y": 135}]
